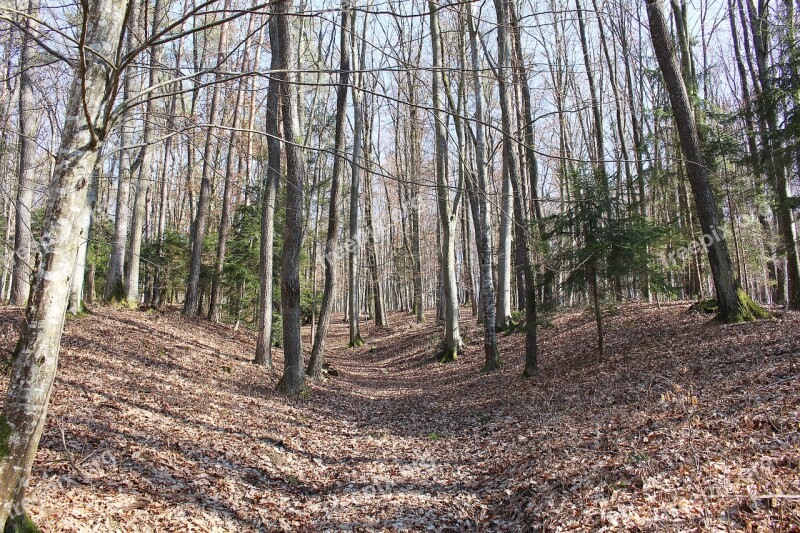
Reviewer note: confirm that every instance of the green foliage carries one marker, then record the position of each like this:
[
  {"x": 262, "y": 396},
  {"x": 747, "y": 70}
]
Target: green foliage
[
  {"x": 99, "y": 253},
  {"x": 240, "y": 274},
  {"x": 620, "y": 245},
  {"x": 173, "y": 259}
]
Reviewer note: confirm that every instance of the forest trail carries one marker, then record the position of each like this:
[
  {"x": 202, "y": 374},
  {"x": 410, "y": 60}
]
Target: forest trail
[{"x": 162, "y": 423}]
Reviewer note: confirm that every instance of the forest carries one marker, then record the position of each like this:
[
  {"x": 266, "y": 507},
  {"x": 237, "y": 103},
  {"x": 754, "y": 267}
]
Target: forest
[{"x": 400, "y": 265}]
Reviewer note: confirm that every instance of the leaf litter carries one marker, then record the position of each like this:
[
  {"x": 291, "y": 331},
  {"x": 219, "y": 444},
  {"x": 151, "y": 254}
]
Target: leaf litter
[{"x": 158, "y": 422}]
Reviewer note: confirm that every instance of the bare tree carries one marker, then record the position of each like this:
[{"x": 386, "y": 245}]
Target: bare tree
[
  {"x": 448, "y": 209},
  {"x": 293, "y": 381},
  {"x": 323, "y": 322},
  {"x": 91, "y": 94},
  {"x": 269, "y": 193},
  {"x": 21, "y": 274},
  {"x": 192, "y": 300}
]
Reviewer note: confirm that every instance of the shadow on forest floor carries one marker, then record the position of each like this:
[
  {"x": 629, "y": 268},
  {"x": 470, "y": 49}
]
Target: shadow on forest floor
[{"x": 167, "y": 423}]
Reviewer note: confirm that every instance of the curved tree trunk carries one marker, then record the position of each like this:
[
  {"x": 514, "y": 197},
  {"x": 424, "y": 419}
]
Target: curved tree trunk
[
  {"x": 36, "y": 358},
  {"x": 734, "y": 304},
  {"x": 323, "y": 322}
]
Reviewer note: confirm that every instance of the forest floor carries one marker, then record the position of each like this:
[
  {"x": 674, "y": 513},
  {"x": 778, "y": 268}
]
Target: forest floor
[{"x": 159, "y": 423}]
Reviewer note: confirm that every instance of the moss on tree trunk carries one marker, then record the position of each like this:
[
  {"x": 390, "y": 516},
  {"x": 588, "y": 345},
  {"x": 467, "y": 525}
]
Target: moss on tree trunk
[
  {"x": 21, "y": 523},
  {"x": 746, "y": 310}
]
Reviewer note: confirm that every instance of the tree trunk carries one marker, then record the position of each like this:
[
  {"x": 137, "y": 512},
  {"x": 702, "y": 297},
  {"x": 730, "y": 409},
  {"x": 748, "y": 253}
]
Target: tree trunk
[
  {"x": 21, "y": 273},
  {"x": 734, "y": 304},
  {"x": 115, "y": 278},
  {"x": 143, "y": 182},
  {"x": 448, "y": 210},
  {"x": 504, "y": 252},
  {"x": 269, "y": 194},
  {"x": 227, "y": 193},
  {"x": 482, "y": 221},
  {"x": 323, "y": 322},
  {"x": 36, "y": 357},
  {"x": 377, "y": 291},
  {"x": 191, "y": 303},
  {"x": 771, "y": 151},
  {"x": 521, "y": 224},
  {"x": 75, "y": 305},
  {"x": 293, "y": 381},
  {"x": 354, "y": 244}
]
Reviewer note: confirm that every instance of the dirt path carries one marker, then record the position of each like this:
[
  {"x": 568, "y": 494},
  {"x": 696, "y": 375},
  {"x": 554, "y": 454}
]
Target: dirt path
[{"x": 168, "y": 426}]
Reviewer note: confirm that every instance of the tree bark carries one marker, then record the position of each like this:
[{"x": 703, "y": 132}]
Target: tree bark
[
  {"x": 448, "y": 210},
  {"x": 269, "y": 194},
  {"x": 92, "y": 91},
  {"x": 482, "y": 221},
  {"x": 323, "y": 322},
  {"x": 377, "y": 291},
  {"x": 503, "y": 315},
  {"x": 75, "y": 305},
  {"x": 21, "y": 273},
  {"x": 293, "y": 381},
  {"x": 734, "y": 304},
  {"x": 354, "y": 244},
  {"x": 521, "y": 225},
  {"x": 114, "y": 289}
]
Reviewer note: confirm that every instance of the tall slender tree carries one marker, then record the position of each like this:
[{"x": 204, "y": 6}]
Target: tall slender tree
[
  {"x": 734, "y": 304},
  {"x": 448, "y": 208},
  {"x": 92, "y": 92},
  {"x": 329, "y": 258},
  {"x": 192, "y": 299},
  {"x": 293, "y": 380},
  {"x": 21, "y": 274}
]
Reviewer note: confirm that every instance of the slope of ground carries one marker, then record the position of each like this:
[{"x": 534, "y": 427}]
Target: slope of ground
[{"x": 158, "y": 423}]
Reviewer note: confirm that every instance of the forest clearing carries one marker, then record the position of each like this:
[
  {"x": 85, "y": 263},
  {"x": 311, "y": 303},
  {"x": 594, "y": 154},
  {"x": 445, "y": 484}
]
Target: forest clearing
[{"x": 167, "y": 425}]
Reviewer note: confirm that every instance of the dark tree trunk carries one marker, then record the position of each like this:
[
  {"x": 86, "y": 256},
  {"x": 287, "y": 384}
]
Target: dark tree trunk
[
  {"x": 323, "y": 322},
  {"x": 734, "y": 304},
  {"x": 293, "y": 381}
]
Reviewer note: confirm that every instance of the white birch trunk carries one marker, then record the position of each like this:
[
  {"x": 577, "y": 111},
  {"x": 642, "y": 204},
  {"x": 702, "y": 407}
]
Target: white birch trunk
[{"x": 36, "y": 359}]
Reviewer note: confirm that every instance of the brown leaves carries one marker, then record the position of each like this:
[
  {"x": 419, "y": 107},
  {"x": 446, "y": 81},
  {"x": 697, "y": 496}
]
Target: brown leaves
[{"x": 688, "y": 425}]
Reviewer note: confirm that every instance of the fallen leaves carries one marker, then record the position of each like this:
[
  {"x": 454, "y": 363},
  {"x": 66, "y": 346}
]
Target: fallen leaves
[{"x": 688, "y": 425}]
